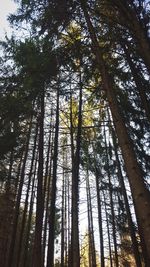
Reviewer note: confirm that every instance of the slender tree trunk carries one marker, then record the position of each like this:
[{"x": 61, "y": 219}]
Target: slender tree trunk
[
  {"x": 111, "y": 202},
  {"x": 65, "y": 207},
  {"x": 47, "y": 189},
  {"x": 72, "y": 161},
  {"x": 113, "y": 224},
  {"x": 17, "y": 206},
  {"x": 37, "y": 255},
  {"x": 19, "y": 169},
  {"x": 51, "y": 239},
  {"x": 47, "y": 209},
  {"x": 62, "y": 216},
  {"x": 108, "y": 232},
  {"x": 75, "y": 251},
  {"x": 92, "y": 254},
  {"x": 100, "y": 223},
  {"x": 24, "y": 259},
  {"x": 141, "y": 195},
  {"x": 89, "y": 227},
  {"x": 6, "y": 212},
  {"x": 8, "y": 182},
  {"x": 69, "y": 222},
  {"x": 71, "y": 130},
  {"x": 24, "y": 216}
]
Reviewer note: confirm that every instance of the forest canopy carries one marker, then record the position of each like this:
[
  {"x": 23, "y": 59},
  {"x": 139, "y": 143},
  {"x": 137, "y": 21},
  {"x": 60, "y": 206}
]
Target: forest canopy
[{"x": 75, "y": 134}]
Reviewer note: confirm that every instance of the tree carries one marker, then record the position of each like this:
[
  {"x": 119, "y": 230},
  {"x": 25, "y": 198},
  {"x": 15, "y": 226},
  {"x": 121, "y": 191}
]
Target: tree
[
  {"x": 85, "y": 252},
  {"x": 75, "y": 134},
  {"x": 141, "y": 195}
]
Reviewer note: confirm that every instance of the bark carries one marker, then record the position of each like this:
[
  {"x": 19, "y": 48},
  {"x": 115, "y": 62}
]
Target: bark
[
  {"x": 71, "y": 130},
  {"x": 24, "y": 216},
  {"x": 72, "y": 160},
  {"x": 46, "y": 208},
  {"x": 8, "y": 182},
  {"x": 23, "y": 151},
  {"x": 100, "y": 223},
  {"x": 111, "y": 202},
  {"x": 6, "y": 212},
  {"x": 65, "y": 209},
  {"x": 69, "y": 222},
  {"x": 50, "y": 254},
  {"x": 113, "y": 223},
  {"x": 17, "y": 206},
  {"x": 92, "y": 254},
  {"x": 141, "y": 195},
  {"x": 24, "y": 259},
  {"x": 75, "y": 251},
  {"x": 130, "y": 221},
  {"x": 37, "y": 255},
  {"x": 62, "y": 218},
  {"x": 108, "y": 232},
  {"x": 47, "y": 189}
]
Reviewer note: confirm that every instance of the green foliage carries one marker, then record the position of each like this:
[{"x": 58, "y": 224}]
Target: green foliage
[
  {"x": 56, "y": 53},
  {"x": 36, "y": 61}
]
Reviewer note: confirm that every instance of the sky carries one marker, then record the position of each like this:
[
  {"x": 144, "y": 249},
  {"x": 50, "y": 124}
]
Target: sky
[{"x": 6, "y": 7}]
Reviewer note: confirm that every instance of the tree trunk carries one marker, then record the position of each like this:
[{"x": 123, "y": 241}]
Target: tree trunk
[
  {"x": 24, "y": 216},
  {"x": 100, "y": 223},
  {"x": 108, "y": 232},
  {"x": 47, "y": 189},
  {"x": 72, "y": 160},
  {"x": 130, "y": 222},
  {"x": 92, "y": 254},
  {"x": 37, "y": 255},
  {"x": 111, "y": 203},
  {"x": 24, "y": 259},
  {"x": 69, "y": 222},
  {"x": 17, "y": 206},
  {"x": 6, "y": 211},
  {"x": 51, "y": 239},
  {"x": 141, "y": 195},
  {"x": 63, "y": 215},
  {"x": 75, "y": 251}
]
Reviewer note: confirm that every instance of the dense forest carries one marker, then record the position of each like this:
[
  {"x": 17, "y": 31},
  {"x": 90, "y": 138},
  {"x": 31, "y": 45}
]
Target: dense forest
[{"x": 75, "y": 135}]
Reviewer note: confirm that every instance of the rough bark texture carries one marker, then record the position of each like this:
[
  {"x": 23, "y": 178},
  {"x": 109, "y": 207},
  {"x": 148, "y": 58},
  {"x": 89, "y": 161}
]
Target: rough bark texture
[{"x": 130, "y": 222}]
